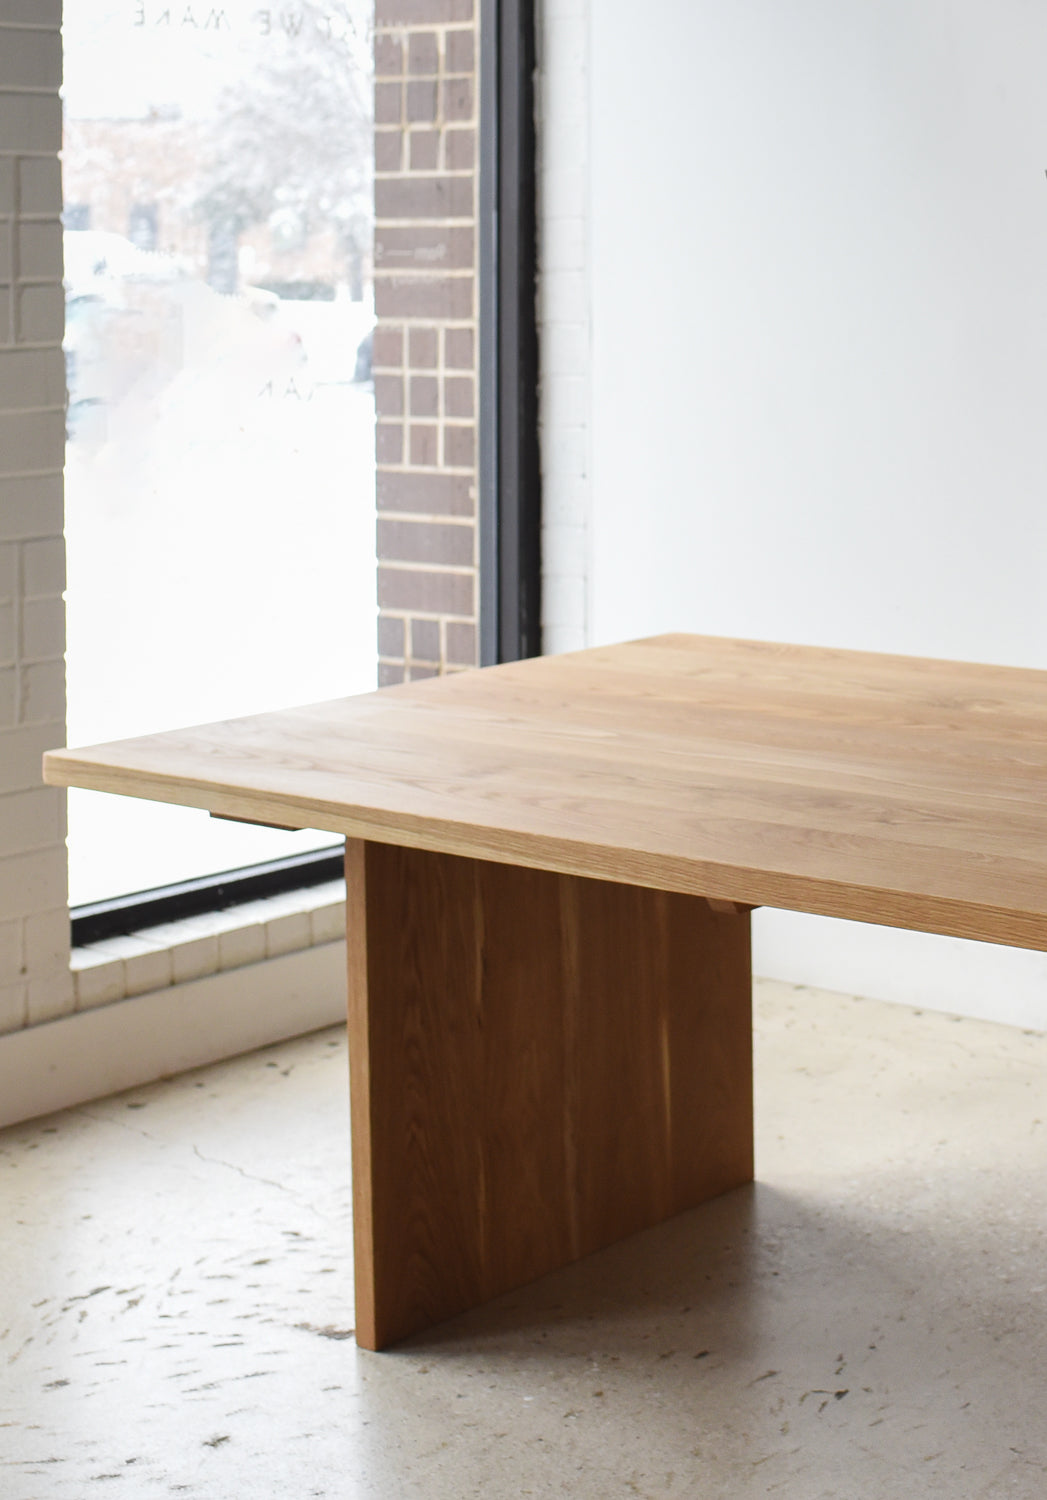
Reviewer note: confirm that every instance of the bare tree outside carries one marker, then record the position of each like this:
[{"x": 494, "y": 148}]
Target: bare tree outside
[{"x": 296, "y": 148}]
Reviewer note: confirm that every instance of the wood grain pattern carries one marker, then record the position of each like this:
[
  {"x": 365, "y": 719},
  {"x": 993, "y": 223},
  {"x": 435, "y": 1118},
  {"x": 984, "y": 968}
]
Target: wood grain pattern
[
  {"x": 888, "y": 789},
  {"x": 541, "y": 1065}
]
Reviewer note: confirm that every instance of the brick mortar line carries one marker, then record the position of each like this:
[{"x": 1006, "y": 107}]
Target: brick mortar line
[
  {"x": 441, "y": 124},
  {"x": 392, "y": 561},
  {"x": 458, "y": 470},
  {"x": 405, "y": 33},
  {"x": 394, "y": 661},
  {"x": 427, "y": 515},
  {"x": 465, "y": 569},
  {"x": 455, "y": 424},
  {"x": 418, "y": 616},
  {"x": 413, "y": 516},
  {"x": 432, "y": 268},
  {"x": 13, "y": 258},
  {"x": 28, "y": 411},
  {"x": 415, "y": 320},
  {"x": 424, "y": 519},
  {"x": 434, "y": 223},
  {"x": 19, "y": 633},
  {"x": 36, "y": 598}
]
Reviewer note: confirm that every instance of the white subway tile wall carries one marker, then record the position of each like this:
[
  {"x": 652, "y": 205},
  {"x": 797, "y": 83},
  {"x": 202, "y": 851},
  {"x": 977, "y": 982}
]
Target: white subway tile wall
[{"x": 35, "y": 980}]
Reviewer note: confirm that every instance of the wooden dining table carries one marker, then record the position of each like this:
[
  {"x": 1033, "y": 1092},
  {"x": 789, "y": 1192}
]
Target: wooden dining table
[{"x": 550, "y": 868}]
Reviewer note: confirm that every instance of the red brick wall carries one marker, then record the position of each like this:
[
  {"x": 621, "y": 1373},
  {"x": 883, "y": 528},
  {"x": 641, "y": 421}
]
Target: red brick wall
[{"x": 425, "y": 346}]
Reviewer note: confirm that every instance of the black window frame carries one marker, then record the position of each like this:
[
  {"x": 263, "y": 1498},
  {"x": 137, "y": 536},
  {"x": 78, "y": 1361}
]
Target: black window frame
[{"x": 510, "y": 467}]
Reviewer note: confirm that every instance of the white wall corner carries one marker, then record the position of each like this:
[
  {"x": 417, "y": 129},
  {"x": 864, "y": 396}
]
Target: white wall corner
[{"x": 562, "y": 110}]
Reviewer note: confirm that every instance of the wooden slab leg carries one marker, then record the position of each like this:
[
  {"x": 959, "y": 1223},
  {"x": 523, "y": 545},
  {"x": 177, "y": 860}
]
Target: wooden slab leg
[{"x": 540, "y": 1065}]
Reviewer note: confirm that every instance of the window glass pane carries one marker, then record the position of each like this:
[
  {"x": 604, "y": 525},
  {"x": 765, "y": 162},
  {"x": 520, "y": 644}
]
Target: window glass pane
[{"x": 220, "y": 457}]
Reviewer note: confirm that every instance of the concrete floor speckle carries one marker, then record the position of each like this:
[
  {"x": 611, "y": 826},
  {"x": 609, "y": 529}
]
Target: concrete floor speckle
[{"x": 868, "y": 1321}]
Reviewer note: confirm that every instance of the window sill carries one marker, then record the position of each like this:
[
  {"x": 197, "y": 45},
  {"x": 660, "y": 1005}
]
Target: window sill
[{"x": 177, "y": 952}]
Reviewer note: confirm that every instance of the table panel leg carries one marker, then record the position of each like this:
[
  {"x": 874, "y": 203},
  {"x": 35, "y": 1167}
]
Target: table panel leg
[{"x": 540, "y": 1065}]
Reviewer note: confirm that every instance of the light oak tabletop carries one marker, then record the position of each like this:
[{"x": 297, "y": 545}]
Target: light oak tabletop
[{"x": 889, "y": 789}]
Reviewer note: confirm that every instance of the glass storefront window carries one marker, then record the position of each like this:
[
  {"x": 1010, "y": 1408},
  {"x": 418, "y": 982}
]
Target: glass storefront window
[{"x": 220, "y": 503}]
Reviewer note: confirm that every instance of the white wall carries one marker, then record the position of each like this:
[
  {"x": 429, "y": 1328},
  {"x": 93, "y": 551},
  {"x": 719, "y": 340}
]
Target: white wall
[
  {"x": 565, "y": 397},
  {"x": 818, "y": 304}
]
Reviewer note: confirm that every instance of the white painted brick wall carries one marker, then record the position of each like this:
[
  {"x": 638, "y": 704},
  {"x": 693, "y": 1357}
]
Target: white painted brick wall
[
  {"x": 563, "y": 319},
  {"x": 35, "y": 980}
]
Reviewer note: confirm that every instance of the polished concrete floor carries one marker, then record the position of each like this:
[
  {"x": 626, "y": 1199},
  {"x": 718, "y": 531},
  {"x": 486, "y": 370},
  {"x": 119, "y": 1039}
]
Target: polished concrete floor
[{"x": 870, "y": 1320}]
